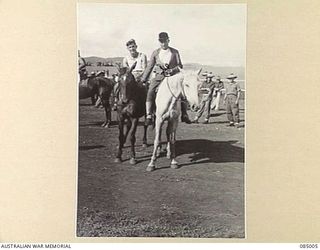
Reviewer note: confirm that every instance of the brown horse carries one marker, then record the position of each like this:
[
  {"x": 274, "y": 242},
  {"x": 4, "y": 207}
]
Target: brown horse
[
  {"x": 99, "y": 89},
  {"x": 105, "y": 87},
  {"x": 130, "y": 107},
  {"x": 88, "y": 87}
]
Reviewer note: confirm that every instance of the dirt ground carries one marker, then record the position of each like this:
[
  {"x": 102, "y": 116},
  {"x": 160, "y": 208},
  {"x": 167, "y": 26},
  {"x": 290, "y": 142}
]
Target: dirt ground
[{"x": 203, "y": 198}]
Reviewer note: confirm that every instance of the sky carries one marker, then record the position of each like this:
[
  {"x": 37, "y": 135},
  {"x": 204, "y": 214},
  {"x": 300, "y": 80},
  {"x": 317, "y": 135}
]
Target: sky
[{"x": 211, "y": 34}]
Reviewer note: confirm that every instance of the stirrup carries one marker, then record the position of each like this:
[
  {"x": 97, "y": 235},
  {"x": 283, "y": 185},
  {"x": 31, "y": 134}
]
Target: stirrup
[{"x": 148, "y": 121}]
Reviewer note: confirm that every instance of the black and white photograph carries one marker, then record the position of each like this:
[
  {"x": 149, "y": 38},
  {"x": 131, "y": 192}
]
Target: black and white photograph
[{"x": 161, "y": 120}]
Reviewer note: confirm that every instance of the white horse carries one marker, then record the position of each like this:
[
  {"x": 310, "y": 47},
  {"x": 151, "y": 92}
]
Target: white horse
[{"x": 168, "y": 108}]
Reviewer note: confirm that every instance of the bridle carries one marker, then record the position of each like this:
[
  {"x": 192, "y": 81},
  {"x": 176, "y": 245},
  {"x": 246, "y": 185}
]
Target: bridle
[
  {"x": 120, "y": 94},
  {"x": 182, "y": 91}
]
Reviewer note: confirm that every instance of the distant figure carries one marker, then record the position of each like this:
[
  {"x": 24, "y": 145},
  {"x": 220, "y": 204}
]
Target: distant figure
[
  {"x": 135, "y": 56},
  {"x": 231, "y": 99},
  {"x": 207, "y": 89},
  {"x": 218, "y": 86},
  {"x": 168, "y": 63}
]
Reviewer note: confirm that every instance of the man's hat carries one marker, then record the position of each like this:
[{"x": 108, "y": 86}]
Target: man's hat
[
  {"x": 231, "y": 76},
  {"x": 163, "y": 36},
  {"x": 218, "y": 78},
  {"x": 209, "y": 75}
]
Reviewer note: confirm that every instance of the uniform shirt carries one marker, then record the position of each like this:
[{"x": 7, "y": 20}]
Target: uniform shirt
[
  {"x": 232, "y": 88},
  {"x": 210, "y": 87},
  {"x": 165, "y": 55},
  {"x": 141, "y": 60},
  {"x": 155, "y": 63}
]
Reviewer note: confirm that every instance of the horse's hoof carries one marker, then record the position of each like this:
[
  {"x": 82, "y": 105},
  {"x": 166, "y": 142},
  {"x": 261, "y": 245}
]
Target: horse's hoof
[
  {"x": 150, "y": 168},
  {"x": 144, "y": 145},
  {"x": 106, "y": 126},
  {"x": 103, "y": 125},
  {"x": 133, "y": 161},
  {"x": 158, "y": 153},
  {"x": 174, "y": 166},
  {"x": 117, "y": 160}
]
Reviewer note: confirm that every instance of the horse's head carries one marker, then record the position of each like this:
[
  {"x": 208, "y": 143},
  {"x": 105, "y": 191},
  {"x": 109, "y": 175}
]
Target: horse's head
[
  {"x": 127, "y": 83},
  {"x": 191, "y": 85}
]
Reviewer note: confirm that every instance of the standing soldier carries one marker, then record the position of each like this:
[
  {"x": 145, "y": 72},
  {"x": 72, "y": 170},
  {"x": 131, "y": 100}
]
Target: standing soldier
[
  {"x": 218, "y": 86},
  {"x": 231, "y": 99},
  {"x": 207, "y": 88}
]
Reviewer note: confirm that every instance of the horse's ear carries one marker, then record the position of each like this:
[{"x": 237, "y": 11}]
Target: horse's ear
[
  {"x": 198, "y": 74},
  {"x": 133, "y": 66}
]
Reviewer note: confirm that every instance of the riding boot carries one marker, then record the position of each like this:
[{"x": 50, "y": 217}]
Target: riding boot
[
  {"x": 184, "y": 114},
  {"x": 149, "y": 114}
]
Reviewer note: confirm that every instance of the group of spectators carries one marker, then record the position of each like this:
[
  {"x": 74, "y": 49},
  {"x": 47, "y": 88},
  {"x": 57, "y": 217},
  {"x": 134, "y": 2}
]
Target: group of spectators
[{"x": 211, "y": 91}]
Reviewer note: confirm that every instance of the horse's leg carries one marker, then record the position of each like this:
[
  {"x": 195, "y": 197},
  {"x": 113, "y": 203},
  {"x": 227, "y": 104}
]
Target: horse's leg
[
  {"x": 121, "y": 140},
  {"x": 174, "y": 163},
  {"x": 151, "y": 165},
  {"x": 168, "y": 132},
  {"x": 93, "y": 100},
  {"x": 159, "y": 146},
  {"x": 129, "y": 124},
  {"x": 108, "y": 116},
  {"x": 144, "y": 140},
  {"x": 133, "y": 140}
]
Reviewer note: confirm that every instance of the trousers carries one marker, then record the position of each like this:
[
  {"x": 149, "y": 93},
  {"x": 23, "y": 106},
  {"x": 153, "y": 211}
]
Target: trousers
[
  {"x": 204, "y": 106},
  {"x": 232, "y": 109},
  {"x": 154, "y": 84}
]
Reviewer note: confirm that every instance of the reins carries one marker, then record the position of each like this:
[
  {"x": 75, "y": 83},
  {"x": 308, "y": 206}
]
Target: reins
[{"x": 182, "y": 91}]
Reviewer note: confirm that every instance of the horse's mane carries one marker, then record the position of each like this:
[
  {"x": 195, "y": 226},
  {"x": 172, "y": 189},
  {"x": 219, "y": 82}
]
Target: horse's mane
[{"x": 104, "y": 82}]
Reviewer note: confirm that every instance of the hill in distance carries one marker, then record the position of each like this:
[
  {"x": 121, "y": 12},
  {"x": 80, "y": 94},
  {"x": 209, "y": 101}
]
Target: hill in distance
[
  {"x": 95, "y": 59},
  {"x": 222, "y": 71}
]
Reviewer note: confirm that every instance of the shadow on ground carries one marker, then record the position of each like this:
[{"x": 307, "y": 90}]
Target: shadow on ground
[{"x": 206, "y": 151}]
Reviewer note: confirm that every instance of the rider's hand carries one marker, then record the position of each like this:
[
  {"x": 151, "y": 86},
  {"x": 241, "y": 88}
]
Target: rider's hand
[{"x": 143, "y": 82}]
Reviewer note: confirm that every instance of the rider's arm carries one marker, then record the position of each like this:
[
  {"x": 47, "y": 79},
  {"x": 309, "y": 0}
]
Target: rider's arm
[
  {"x": 238, "y": 93},
  {"x": 179, "y": 62},
  {"x": 125, "y": 62},
  {"x": 149, "y": 68},
  {"x": 143, "y": 62}
]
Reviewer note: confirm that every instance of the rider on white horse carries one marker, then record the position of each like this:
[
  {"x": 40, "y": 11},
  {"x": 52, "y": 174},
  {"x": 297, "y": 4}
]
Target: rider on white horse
[{"x": 168, "y": 62}]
